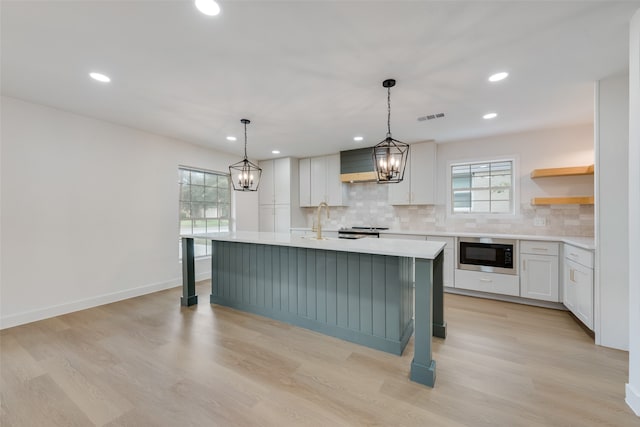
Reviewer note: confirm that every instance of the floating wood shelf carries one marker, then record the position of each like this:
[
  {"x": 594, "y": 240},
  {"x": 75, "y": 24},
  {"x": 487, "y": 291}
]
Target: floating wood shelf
[
  {"x": 574, "y": 170},
  {"x": 581, "y": 200}
]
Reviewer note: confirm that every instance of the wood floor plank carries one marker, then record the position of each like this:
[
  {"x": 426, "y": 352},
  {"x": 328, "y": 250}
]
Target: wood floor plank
[{"x": 148, "y": 361}]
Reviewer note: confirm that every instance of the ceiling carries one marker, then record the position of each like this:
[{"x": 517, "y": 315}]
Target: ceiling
[{"x": 308, "y": 74}]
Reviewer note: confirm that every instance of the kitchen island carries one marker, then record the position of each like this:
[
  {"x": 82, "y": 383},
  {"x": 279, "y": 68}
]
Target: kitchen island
[{"x": 356, "y": 290}]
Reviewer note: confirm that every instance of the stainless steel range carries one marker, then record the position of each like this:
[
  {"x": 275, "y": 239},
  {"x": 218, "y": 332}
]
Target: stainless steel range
[{"x": 360, "y": 232}]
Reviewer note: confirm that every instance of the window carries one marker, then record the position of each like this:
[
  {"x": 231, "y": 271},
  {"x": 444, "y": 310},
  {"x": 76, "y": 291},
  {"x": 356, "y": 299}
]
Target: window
[
  {"x": 483, "y": 188},
  {"x": 205, "y": 205}
]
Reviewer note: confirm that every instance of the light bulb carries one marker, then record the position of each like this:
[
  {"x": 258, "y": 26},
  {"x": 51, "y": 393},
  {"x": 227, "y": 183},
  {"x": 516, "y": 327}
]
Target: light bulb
[{"x": 208, "y": 7}]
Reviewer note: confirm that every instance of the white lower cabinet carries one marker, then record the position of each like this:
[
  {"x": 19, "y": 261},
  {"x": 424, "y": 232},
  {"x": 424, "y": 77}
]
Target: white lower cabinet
[
  {"x": 578, "y": 284},
  {"x": 505, "y": 284},
  {"x": 539, "y": 268}
]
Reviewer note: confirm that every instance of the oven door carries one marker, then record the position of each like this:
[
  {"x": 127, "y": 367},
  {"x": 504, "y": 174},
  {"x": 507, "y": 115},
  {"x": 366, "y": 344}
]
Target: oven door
[{"x": 488, "y": 255}]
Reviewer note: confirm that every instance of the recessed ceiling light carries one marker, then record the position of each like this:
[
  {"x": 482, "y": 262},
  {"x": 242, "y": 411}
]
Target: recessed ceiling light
[
  {"x": 358, "y": 138},
  {"x": 490, "y": 116},
  {"x": 231, "y": 138},
  {"x": 498, "y": 76},
  {"x": 208, "y": 7},
  {"x": 275, "y": 152},
  {"x": 100, "y": 77}
]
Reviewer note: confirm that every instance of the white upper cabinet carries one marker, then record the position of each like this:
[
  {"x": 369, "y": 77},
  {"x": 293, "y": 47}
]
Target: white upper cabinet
[
  {"x": 320, "y": 181},
  {"x": 305, "y": 182},
  {"x": 266, "y": 194},
  {"x": 278, "y": 196},
  {"x": 282, "y": 181},
  {"x": 275, "y": 184},
  {"x": 418, "y": 185}
]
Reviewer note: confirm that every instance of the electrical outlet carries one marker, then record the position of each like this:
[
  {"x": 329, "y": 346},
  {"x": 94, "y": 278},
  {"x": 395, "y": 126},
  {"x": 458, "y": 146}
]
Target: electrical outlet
[{"x": 539, "y": 221}]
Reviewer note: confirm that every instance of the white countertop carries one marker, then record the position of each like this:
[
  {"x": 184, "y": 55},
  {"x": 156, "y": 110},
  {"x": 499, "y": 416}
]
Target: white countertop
[
  {"x": 394, "y": 247},
  {"x": 580, "y": 242}
]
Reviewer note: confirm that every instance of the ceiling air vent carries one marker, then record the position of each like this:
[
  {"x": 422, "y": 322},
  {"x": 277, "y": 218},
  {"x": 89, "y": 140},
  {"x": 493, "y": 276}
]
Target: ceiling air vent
[{"x": 431, "y": 117}]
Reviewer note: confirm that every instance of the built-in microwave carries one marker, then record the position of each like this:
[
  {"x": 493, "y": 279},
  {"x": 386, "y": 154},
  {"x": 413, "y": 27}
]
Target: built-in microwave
[{"x": 487, "y": 254}]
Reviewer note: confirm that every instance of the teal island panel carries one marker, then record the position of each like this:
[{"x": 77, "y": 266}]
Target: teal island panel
[{"x": 362, "y": 298}]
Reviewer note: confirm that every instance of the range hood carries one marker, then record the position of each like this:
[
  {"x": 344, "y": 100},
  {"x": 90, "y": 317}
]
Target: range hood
[{"x": 357, "y": 165}]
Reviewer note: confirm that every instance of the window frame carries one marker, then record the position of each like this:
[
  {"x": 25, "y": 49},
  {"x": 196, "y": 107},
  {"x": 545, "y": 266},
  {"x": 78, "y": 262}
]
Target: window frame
[
  {"x": 202, "y": 242},
  {"x": 515, "y": 185}
]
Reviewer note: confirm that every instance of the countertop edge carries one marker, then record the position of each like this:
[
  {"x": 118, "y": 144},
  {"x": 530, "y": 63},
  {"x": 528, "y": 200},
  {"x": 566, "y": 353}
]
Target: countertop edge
[{"x": 390, "y": 247}]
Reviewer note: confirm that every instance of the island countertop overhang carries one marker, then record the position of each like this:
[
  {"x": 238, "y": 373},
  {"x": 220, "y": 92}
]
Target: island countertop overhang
[{"x": 393, "y": 247}]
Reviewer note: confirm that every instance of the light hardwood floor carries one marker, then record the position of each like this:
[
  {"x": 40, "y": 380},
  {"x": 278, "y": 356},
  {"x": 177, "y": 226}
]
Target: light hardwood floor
[{"x": 148, "y": 362}]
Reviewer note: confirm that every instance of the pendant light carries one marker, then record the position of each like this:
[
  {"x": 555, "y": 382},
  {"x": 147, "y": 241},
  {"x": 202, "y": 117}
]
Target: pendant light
[
  {"x": 245, "y": 176},
  {"x": 390, "y": 155}
]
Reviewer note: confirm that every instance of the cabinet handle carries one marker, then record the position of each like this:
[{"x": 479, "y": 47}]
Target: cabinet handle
[
  {"x": 524, "y": 264},
  {"x": 571, "y": 275},
  {"x": 571, "y": 254},
  {"x": 540, "y": 249},
  {"x": 486, "y": 280}
]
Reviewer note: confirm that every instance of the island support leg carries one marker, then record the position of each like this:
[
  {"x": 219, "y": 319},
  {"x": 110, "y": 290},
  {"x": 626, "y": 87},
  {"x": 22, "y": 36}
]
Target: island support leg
[
  {"x": 189, "y": 296},
  {"x": 423, "y": 367},
  {"x": 439, "y": 325}
]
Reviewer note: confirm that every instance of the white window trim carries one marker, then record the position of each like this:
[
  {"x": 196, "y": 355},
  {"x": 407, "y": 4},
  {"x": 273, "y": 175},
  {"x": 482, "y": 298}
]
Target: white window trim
[{"x": 515, "y": 187}]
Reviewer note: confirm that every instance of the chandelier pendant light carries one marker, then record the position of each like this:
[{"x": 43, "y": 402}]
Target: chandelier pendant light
[
  {"x": 245, "y": 175},
  {"x": 390, "y": 156}
]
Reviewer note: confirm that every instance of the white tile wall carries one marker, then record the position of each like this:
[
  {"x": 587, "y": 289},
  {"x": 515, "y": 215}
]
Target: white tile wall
[{"x": 368, "y": 206}]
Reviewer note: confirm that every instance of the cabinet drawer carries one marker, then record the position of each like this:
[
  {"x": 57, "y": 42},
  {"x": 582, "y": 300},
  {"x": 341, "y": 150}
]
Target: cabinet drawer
[
  {"x": 505, "y": 284},
  {"x": 539, "y": 248},
  {"x": 450, "y": 241},
  {"x": 579, "y": 255}
]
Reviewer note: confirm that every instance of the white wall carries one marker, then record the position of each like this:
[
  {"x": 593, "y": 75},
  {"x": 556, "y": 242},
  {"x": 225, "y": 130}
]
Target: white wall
[
  {"x": 612, "y": 228},
  {"x": 89, "y": 211},
  {"x": 548, "y": 148},
  {"x": 633, "y": 387}
]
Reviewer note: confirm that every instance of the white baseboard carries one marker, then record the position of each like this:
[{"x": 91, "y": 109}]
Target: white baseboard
[
  {"x": 60, "y": 309},
  {"x": 506, "y": 298},
  {"x": 633, "y": 398}
]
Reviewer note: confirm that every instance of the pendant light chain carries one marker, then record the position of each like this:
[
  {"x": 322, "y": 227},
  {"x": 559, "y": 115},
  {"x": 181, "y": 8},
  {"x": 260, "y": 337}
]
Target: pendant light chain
[
  {"x": 389, "y": 111},
  {"x": 245, "y": 140}
]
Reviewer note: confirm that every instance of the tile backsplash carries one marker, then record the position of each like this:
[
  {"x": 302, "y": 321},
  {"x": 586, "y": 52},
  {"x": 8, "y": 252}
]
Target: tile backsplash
[{"x": 368, "y": 206}]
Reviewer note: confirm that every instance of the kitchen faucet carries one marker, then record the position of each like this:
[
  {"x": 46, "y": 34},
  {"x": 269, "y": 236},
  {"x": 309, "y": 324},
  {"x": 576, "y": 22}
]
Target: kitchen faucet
[{"x": 319, "y": 223}]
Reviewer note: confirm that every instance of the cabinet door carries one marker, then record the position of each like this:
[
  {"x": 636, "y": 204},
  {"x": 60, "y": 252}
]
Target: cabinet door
[
  {"x": 583, "y": 277},
  {"x": 305, "y": 182},
  {"x": 539, "y": 277},
  {"x": 422, "y": 173},
  {"x": 335, "y": 187},
  {"x": 266, "y": 220},
  {"x": 282, "y": 181},
  {"x": 282, "y": 218},
  {"x": 318, "y": 180},
  {"x": 400, "y": 193},
  {"x": 265, "y": 190},
  {"x": 448, "y": 268},
  {"x": 578, "y": 289},
  {"x": 569, "y": 286}
]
